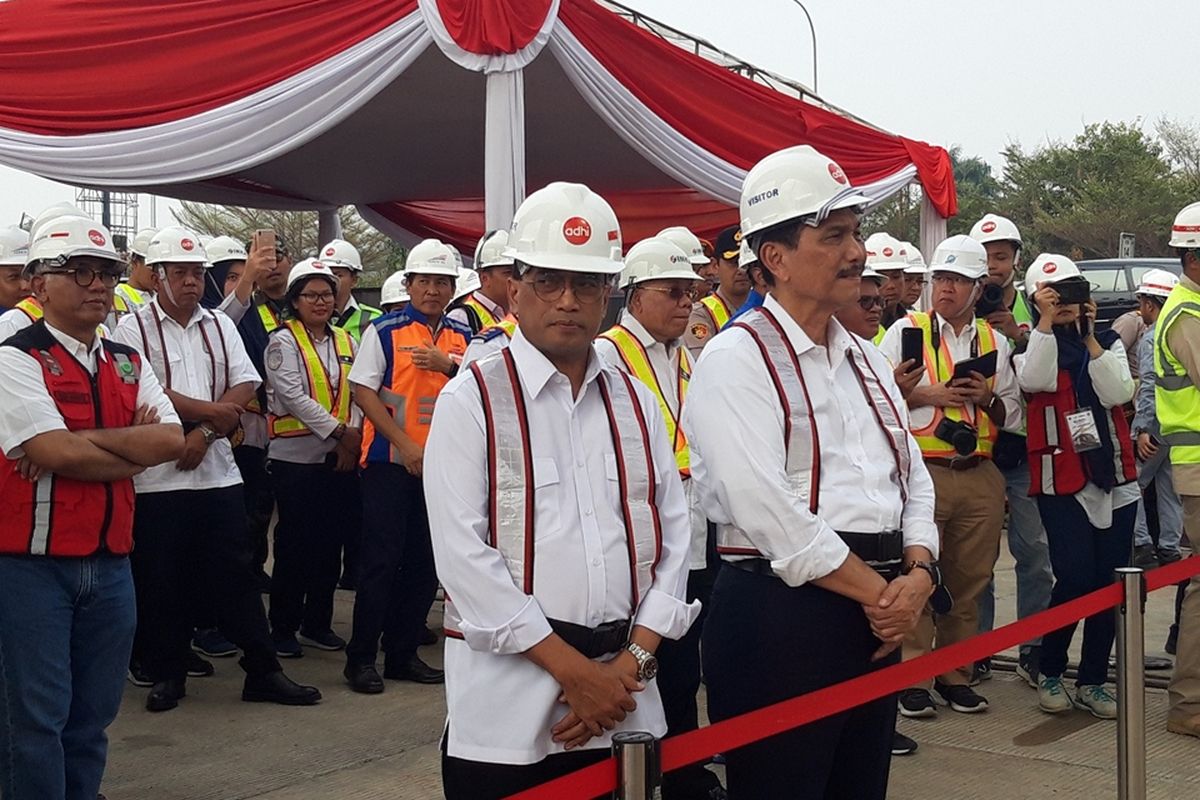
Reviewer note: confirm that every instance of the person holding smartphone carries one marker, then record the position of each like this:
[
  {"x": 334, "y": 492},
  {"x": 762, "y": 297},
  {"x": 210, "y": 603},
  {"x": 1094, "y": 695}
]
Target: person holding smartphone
[{"x": 1082, "y": 469}]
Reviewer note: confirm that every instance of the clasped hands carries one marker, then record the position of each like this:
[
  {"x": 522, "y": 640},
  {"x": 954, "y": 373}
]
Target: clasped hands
[{"x": 896, "y": 613}]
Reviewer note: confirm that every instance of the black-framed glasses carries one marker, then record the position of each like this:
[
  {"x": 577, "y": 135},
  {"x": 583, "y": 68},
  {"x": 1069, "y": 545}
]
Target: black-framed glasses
[
  {"x": 317, "y": 297},
  {"x": 85, "y": 275},
  {"x": 676, "y": 293},
  {"x": 867, "y": 303},
  {"x": 551, "y": 284}
]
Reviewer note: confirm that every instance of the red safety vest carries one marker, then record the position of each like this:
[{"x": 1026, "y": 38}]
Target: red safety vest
[
  {"x": 1054, "y": 467},
  {"x": 58, "y": 516}
]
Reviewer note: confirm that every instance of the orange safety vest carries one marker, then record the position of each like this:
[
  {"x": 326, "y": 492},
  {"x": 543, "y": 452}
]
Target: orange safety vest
[
  {"x": 408, "y": 392},
  {"x": 331, "y": 395}
]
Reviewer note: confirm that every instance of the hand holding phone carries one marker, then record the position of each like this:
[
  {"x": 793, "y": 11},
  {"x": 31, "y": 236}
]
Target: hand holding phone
[{"x": 912, "y": 348}]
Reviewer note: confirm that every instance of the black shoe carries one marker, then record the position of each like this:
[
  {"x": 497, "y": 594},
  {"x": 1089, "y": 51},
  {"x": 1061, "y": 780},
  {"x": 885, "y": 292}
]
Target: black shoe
[
  {"x": 962, "y": 699},
  {"x": 138, "y": 676},
  {"x": 363, "y": 678},
  {"x": 213, "y": 644},
  {"x": 275, "y": 687},
  {"x": 1144, "y": 556},
  {"x": 1169, "y": 556},
  {"x": 197, "y": 667},
  {"x": 1171, "y": 646},
  {"x": 327, "y": 640},
  {"x": 429, "y": 637},
  {"x": 917, "y": 703},
  {"x": 982, "y": 671},
  {"x": 1029, "y": 667},
  {"x": 415, "y": 670},
  {"x": 286, "y": 645},
  {"x": 166, "y": 695},
  {"x": 902, "y": 745}
]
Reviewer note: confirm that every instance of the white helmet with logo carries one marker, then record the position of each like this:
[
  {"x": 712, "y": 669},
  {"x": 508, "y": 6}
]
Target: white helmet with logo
[
  {"x": 393, "y": 290},
  {"x": 746, "y": 256},
  {"x": 885, "y": 253},
  {"x": 14, "y": 247},
  {"x": 1049, "y": 268},
  {"x": 310, "y": 267},
  {"x": 657, "y": 258},
  {"x": 468, "y": 281},
  {"x": 431, "y": 257},
  {"x": 490, "y": 250},
  {"x": 224, "y": 248},
  {"x": 1157, "y": 282},
  {"x": 995, "y": 228},
  {"x": 175, "y": 245},
  {"x": 340, "y": 253},
  {"x": 63, "y": 238},
  {"x": 686, "y": 241},
  {"x": 566, "y": 226},
  {"x": 142, "y": 241},
  {"x": 794, "y": 183},
  {"x": 916, "y": 261},
  {"x": 870, "y": 274},
  {"x": 1185, "y": 231},
  {"x": 961, "y": 255}
]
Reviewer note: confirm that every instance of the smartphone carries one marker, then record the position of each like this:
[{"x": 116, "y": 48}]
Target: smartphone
[
  {"x": 912, "y": 347},
  {"x": 264, "y": 237},
  {"x": 984, "y": 365},
  {"x": 1073, "y": 292}
]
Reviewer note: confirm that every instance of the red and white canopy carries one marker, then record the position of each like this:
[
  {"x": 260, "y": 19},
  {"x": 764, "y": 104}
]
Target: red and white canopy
[{"x": 320, "y": 103}]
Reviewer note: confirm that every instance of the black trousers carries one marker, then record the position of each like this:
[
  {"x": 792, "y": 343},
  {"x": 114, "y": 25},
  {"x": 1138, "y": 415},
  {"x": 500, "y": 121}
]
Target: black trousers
[
  {"x": 316, "y": 506},
  {"x": 765, "y": 642},
  {"x": 477, "y": 780},
  {"x": 184, "y": 539},
  {"x": 258, "y": 498},
  {"x": 396, "y": 580}
]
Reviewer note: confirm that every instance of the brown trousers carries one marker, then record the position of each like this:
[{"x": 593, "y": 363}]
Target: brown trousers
[
  {"x": 969, "y": 512},
  {"x": 1183, "y": 695}
]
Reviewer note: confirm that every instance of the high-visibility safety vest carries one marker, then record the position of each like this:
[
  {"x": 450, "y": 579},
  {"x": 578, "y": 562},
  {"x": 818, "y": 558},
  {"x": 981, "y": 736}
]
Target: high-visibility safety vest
[
  {"x": 505, "y": 327},
  {"x": 409, "y": 393},
  {"x": 478, "y": 314},
  {"x": 270, "y": 319},
  {"x": 801, "y": 439},
  {"x": 879, "y": 334},
  {"x": 511, "y": 489},
  {"x": 718, "y": 309},
  {"x": 33, "y": 309},
  {"x": 940, "y": 367},
  {"x": 637, "y": 363},
  {"x": 357, "y": 323},
  {"x": 132, "y": 296},
  {"x": 332, "y": 395},
  {"x": 1021, "y": 313},
  {"x": 60, "y": 516},
  {"x": 1054, "y": 467},
  {"x": 1175, "y": 394}
]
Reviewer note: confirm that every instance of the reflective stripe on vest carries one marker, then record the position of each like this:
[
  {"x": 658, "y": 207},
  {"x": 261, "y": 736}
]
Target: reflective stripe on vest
[
  {"x": 879, "y": 336},
  {"x": 270, "y": 319},
  {"x": 359, "y": 320},
  {"x": 718, "y": 309},
  {"x": 931, "y": 446},
  {"x": 160, "y": 361},
  {"x": 637, "y": 363},
  {"x": 511, "y": 480},
  {"x": 132, "y": 295},
  {"x": 334, "y": 399},
  {"x": 486, "y": 318},
  {"x": 1176, "y": 396}
]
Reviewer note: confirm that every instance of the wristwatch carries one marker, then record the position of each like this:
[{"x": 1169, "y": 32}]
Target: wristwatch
[
  {"x": 935, "y": 574},
  {"x": 208, "y": 433},
  {"x": 647, "y": 663}
]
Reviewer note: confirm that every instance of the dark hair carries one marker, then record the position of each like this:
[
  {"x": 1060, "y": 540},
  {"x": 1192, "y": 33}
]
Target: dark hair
[
  {"x": 1153, "y": 298},
  {"x": 298, "y": 287},
  {"x": 785, "y": 233}
]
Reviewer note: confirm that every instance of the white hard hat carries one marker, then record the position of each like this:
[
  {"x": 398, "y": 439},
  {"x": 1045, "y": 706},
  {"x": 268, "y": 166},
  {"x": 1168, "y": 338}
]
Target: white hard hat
[
  {"x": 431, "y": 257},
  {"x": 961, "y": 255},
  {"x": 995, "y": 228},
  {"x": 14, "y": 247},
  {"x": 885, "y": 253},
  {"x": 175, "y": 245},
  {"x": 224, "y": 248},
  {"x": 393, "y": 289},
  {"x": 63, "y": 238},
  {"x": 54, "y": 212},
  {"x": 1049, "y": 268},
  {"x": 566, "y": 226},
  {"x": 657, "y": 258},
  {"x": 340, "y": 253},
  {"x": 468, "y": 281},
  {"x": 793, "y": 183},
  {"x": 916, "y": 261},
  {"x": 490, "y": 250},
  {"x": 870, "y": 274},
  {"x": 142, "y": 241},
  {"x": 1185, "y": 231},
  {"x": 746, "y": 256},
  {"x": 1157, "y": 282},
  {"x": 686, "y": 241},
  {"x": 310, "y": 267}
]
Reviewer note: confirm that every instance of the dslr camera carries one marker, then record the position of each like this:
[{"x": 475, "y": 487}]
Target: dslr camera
[
  {"x": 991, "y": 300},
  {"x": 962, "y": 436}
]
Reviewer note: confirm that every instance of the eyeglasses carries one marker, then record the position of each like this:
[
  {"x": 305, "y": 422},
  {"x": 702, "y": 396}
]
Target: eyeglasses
[
  {"x": 867, "y": 303},
  {"x": 85, "y": 275},
  {"x": 317, "y": 297},
  {"x": 676, "y": 293},
  {"x": 550, "y": 285},
  {"x": 957, "y": 280}
]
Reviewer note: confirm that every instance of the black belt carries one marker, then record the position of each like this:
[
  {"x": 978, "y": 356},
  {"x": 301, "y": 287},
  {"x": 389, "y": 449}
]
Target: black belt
[
  {"x": 594, "y": 642},
  {"x": 883, "y": 552}
]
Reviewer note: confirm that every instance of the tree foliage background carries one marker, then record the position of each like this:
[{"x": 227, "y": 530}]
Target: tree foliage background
[{"x": 1075, "y": 197}]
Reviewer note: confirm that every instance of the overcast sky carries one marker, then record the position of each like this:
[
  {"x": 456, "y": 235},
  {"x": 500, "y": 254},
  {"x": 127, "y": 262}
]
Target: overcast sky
[{"x": 978, "y": 74}]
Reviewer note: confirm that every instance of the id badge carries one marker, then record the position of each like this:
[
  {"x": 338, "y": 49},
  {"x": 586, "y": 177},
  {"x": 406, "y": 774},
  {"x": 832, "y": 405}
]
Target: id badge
[{"x": 1085, "y": 436}]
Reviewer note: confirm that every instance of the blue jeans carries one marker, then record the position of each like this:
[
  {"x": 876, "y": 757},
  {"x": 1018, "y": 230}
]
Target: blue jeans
[
  {"x": 1027, "y": 543},
  {"x": 1170, "y": 507},
  {"x": 66, "y": 629}
]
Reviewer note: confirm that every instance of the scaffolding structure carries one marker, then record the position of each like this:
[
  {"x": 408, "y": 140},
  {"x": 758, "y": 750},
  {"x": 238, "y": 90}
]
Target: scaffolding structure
[{"x": 118, "y": 211}]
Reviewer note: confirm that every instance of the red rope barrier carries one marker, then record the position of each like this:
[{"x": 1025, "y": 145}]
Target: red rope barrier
[{"x": 730, "y": 734}]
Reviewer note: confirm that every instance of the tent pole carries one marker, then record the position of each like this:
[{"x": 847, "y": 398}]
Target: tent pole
[{"x": 329, "y": 226}]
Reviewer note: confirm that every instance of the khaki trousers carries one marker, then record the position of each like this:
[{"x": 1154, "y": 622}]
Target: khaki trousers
[
  {"x": 969, "y": 512},
  {"x": 1183, "y": 695}
]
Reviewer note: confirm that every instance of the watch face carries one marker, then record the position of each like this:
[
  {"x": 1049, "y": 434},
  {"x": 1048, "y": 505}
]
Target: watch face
[{"x": 649, "y": 668}]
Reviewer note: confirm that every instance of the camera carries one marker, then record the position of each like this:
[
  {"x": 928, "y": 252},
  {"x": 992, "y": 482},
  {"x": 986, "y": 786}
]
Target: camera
[
  {"x": 1073, "y": 292},
  {"x": 991, "y": 300},
  {"x": 957, "y": 433}
]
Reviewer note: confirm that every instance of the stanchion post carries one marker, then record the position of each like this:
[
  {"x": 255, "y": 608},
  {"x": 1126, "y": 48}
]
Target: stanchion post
[
  {"x": 1131, "y": 685},
  {"x": 639, "y": 771}
]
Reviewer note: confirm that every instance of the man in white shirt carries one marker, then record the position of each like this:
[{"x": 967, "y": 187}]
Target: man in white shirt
[
  {"x": 824, "y": 511},
  {"x": 190, "y": 525},
  {"x": 486, "y": 306},
  {"x": 559, "y": 523}
]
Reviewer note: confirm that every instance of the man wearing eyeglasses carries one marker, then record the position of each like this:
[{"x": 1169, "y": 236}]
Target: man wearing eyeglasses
[
  {"x": 559, "y": 521},
  {"x": 80, "y": 416}
]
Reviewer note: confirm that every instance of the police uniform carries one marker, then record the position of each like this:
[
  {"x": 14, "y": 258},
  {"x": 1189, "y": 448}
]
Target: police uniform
[{"x": 709, "y": 315}]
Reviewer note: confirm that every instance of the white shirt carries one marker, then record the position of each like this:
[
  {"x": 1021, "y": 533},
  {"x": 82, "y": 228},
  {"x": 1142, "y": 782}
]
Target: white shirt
[
  {"x": 460, "y": 314},
  {"x": 500, "y": 705},
  {"x": 1037, "y": 372},
  {"x": 15, "y": 320},
  {"x": 735, "y": 425},
  {"x": 192, "y": 370},
  {"x": 663, "y": 362},
  {"x": 1005, "y": 386},
  {"x": 479, "y": 349},
  {"x": 26, "y": 408},
  {"x": 287, "y": 393}
]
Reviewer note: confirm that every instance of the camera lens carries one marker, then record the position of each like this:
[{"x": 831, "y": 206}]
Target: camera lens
[{"x": 964, "y": 442}]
